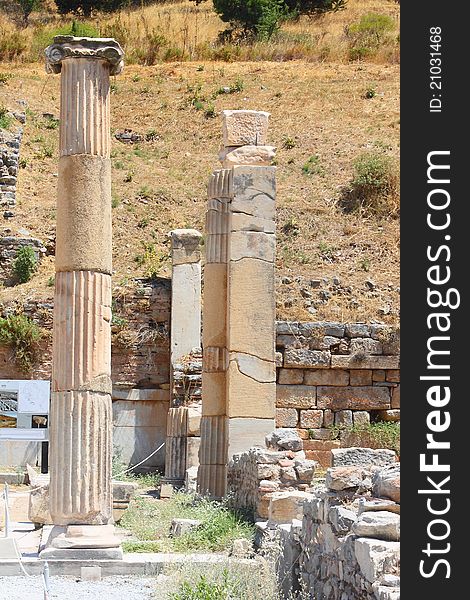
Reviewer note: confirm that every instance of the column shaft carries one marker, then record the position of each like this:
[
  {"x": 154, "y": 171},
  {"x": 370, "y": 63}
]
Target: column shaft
[{"x": 81, "y": 413}]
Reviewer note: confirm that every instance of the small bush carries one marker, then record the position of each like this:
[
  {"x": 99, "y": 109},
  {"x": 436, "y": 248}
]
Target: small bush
[
  {"x": 375, "y": 186},
  {"x": 210, "y": 112},
  {"x": 288, "y": 143},
  {"x": 12, "y": 45},
  {"x": 5, "y": 119},
  {"x": 313, "y": 166},
  {"x": 152, "y": 260},
  {"x": 4, "y": 77},
  {"x": 225, "y": 581},
  {"x": 23, "y": 336},
  {"x": 366, "y": 36},
  {"x": 260, "y": 18},
  {"x": 205, "y": 589},
  {"x": 263, "y": 18},
  {"x": 291, "y": 227},
  {"x": 25, "y": 264}
]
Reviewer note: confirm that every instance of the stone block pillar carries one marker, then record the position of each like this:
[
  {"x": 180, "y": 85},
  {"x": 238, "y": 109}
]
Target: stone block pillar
[
  {"x": 185, "y": 337},
  {"x": 81, "y": 415},
  {"x": 239, "y": 371},
  {"x": 185, "y": 292}
]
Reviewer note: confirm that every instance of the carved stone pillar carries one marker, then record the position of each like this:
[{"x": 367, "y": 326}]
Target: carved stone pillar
[
  {"x": 239, "y": 373},
  {"x": 185, "y": 336},
  {"x": 81, "y": 415}
]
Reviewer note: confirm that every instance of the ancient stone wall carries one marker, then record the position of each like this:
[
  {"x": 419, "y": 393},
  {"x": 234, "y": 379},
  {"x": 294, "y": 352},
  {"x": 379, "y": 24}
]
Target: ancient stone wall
[
  {"x": 140, "y": 365},
  {"x": 11, "y": 241},
  {"x": 140, "y": 326},
  {"x": 339, "y": 541},
  {"x": 350, "y": 536},
  {"x": 335, "y": 374},
  {"x": 9, "y": 165},
  {"x": 260, "y": 478},
  {"x": 9, "y": 246}
]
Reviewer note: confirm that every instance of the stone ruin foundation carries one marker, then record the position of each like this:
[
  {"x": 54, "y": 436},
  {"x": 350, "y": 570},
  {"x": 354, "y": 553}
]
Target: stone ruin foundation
[{"x": 333, "y": 537}]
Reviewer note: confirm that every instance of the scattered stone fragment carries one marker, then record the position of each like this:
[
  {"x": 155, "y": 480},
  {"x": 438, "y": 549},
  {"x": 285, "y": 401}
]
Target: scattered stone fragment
[
  {"x": 345, "y": 478},
  {"x": 285, "y": 506},
  {"x": 363, "y": 457},
  {"x": 128, "y": 136},
  {"x": 284, "y": 439},
  {"x": 386, "y": 483},
  {"x": 341, "y": 519},
  {"x": 181, "y": 527},
  {"x": 241, "y": 548},
  {"x": 381, "y": 525}
]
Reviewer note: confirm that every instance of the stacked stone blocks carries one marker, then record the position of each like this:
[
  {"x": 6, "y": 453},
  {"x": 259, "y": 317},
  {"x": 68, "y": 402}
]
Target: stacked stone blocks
[
  {"x": 239, "y": 378},
  {"x": 335, "y": 374}
]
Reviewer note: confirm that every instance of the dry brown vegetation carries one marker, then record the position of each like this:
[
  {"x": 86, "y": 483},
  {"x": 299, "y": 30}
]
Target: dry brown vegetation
[
  {"x": 320, "y": 110},
  {"x": 186, "y": 31}
]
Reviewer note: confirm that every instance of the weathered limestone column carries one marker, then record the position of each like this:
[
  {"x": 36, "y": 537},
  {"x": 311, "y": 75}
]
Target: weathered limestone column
[
  {"x": 185, "y": 336},
  {"x": 239, "y": 372},
  {"x": 81, "y": 415},
  {"x": 185, "y": 292}
]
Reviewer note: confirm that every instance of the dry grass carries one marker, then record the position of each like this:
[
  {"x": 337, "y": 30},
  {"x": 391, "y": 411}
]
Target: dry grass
[
  {"x": 184, "y": 31},
  {"x": 159, "y": 185}
]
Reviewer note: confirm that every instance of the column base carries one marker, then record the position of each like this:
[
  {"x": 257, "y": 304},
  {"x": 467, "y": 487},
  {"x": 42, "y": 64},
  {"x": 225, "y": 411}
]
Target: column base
[
  {"x": 82, "y": 542},
  {"x": 176, "y": 482}
]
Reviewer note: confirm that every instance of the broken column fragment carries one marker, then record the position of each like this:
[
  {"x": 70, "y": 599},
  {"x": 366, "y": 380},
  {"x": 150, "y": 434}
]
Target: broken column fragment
[{"x": 239, "y": 371}]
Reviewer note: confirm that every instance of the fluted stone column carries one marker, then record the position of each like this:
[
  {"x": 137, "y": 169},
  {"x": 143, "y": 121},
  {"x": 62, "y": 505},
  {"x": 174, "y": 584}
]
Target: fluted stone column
[
  {"x": 239, "y": 373},
  {"x": 81, "y": 415}
]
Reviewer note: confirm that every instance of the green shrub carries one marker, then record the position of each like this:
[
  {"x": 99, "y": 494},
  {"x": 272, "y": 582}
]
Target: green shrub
[
  {"x": 372, "y": 171},
  {"x": 12, "y": 45},
  {"x": 375, "y": 186},
  {"x": 367, "y": 35},
  {"x": 5, "y": 119},
  {"x": 205, "y": 589},
  {"x": 288, "y": 143},
  {"x": 262, "y": 18},
  {"x": 210, "y": 112},
  {"x": 25, "y": 264},
  {"x": 4, "y": 77},
  {"x": 313, "y": 166},
  {"x": 23, "y": 336},
  {"x": 26, "y": 7},
  {"x": 225, "y": 581},
  {"x": 369, "y": 435}
]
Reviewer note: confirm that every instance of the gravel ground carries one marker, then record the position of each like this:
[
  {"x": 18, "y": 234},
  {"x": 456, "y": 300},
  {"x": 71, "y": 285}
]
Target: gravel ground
[{"x": 109, "y": 588}]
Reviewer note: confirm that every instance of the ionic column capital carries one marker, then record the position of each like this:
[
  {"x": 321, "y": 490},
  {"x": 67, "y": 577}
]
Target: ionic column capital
[{"x": 67, "y": 47}]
